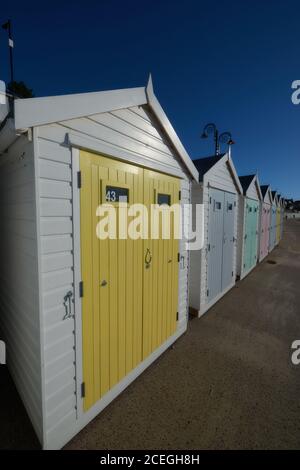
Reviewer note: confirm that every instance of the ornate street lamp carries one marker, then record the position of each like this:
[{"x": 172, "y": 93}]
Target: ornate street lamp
[{"x": 224, "y": 138}]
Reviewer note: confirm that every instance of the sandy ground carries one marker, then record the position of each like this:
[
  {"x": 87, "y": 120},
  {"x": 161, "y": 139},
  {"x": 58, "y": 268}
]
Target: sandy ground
[{"x": 227, "y": 383}]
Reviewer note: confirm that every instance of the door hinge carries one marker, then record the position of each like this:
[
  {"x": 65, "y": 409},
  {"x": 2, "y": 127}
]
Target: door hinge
[
  {"x": 208, "y": 247},
  {"x": 207, "y": 292},
  {"x": 178, "y": 257},
  {"x": 177, "y": 316},
  {"x": 83, "y": 390},
  {"x": 179, "y": 195},
  {"x": 232, "y": 273},
  {"x": 78, "y": 179},
  {"x": 81, "y": 289}
]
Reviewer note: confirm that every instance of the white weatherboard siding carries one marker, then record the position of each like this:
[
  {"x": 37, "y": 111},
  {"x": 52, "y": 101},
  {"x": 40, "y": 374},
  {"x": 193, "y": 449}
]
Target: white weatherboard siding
[
  {"x": 132, "y": 132},
  {"x": 19, "y": 304},
  {"x": 268, "y": 198},
  {"x": 219, "y": 177},
  {"x": 183, "y": 301},
  {"x": 252, "y": 191}
]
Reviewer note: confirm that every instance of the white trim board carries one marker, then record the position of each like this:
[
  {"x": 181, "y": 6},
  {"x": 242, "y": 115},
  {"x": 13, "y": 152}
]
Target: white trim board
[
  {"x": 33, "y": 112},
  {"x": 164, "y": 121}
]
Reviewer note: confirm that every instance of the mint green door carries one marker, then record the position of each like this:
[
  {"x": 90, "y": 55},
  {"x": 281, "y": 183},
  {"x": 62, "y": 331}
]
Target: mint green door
[{"x": 250, "y": 234}]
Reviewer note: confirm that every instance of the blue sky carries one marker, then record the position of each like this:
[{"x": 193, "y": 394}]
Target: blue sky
[{"x": 227, "y": 62}]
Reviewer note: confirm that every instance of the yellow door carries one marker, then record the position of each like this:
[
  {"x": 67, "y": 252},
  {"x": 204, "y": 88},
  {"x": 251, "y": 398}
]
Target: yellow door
[
  {"x": 160, "y": 299},
  {"x": 130, "y": 287},
  {"x": 112, "y": 275}
]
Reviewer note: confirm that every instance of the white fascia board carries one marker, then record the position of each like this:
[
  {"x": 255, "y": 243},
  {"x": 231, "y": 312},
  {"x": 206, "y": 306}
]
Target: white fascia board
[
  {"x": 32, "y": 112},
  {"x": 235, "y": 175},
  {"x": 268, "y": 195},
  {"x": 170, "y": 131},
  {"x": 258, "y": 187}
]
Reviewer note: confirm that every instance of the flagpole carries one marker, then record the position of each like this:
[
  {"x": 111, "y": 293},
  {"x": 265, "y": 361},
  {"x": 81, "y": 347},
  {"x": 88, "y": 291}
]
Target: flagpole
[
  {"x": 11, "y": 46},
  {"x": 7, "y": 26}
]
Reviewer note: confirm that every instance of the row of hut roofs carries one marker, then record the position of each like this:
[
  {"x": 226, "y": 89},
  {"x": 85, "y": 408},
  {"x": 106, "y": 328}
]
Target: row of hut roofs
[
  {"x": 77, "y": 331},
  {"x": 243, "y": 224}
]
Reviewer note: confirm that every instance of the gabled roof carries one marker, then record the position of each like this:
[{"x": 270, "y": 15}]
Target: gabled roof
[
  {"x": 280, "y": 200},
  {"x": 33, "y": 112},
  {"x": 274, "y": 195},
  {"x": 246, "y": 182},
  {"x": 264, "y": 188},
  {"x": 204, "y": 165}
]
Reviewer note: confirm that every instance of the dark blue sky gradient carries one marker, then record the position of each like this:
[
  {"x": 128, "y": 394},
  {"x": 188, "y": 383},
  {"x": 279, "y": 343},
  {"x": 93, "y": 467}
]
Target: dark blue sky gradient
[{"x": 227, "y": 62}]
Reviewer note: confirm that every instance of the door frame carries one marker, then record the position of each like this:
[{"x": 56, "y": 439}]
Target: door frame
[{"x": 84, "y": 417}]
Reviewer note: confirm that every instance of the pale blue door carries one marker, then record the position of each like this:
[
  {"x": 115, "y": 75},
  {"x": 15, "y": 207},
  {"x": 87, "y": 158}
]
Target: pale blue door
[
  {"x": 228, "y": 239},
  {"x": 215, "y": 243}
]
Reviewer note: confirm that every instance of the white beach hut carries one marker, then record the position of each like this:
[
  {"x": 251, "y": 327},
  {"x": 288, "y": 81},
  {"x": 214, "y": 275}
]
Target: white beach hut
[
  {"x": 83, "y": 317},
  {"x": 213, "y": 269},
  {"x": 248, "y": 225}
]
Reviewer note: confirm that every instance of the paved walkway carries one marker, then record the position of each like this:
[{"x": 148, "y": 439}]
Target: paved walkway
[{"x": 227, "y": 383}]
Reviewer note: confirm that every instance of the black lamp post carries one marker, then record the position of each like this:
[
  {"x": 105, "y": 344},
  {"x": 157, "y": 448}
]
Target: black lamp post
[
  {"x": 224, "y": 138},
  {"x": 7, "y": 27}
]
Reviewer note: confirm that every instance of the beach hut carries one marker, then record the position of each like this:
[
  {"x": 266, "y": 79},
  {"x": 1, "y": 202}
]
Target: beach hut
[
  {"x": 83, "y": 316},
  {"x": 248, "y": 224},
  {"x": 213, "y": 269},
  {"x": 265, "y": 221},
  {"x": 273, "y": 222},
  {"x": 278, "y": 218},
  {"x": 282, "y": 217}
]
